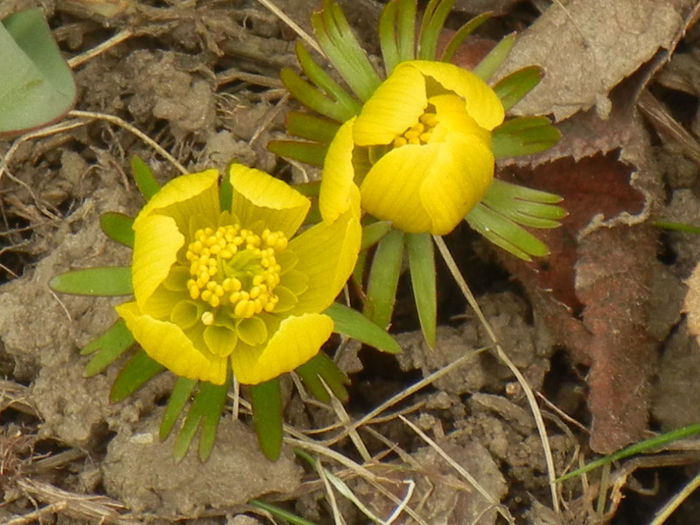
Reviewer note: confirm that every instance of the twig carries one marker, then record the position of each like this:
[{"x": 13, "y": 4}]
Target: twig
[
  {"x": 662, "y": 514},
  {"x": 452, "y": 266},
  {"x": 291, "y": 23},
  {"x": 80, "y": 59}
]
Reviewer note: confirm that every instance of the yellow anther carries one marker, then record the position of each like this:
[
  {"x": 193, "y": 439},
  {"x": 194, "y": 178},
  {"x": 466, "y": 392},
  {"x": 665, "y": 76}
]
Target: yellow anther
[
  {"x": 429, "y": 119},
  {"x": 206, "y": 295},
  {"x": 400, "y": 141}
]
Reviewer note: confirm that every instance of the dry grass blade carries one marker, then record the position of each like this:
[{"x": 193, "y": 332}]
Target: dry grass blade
[
  {"x": 537, "y": 414},
  {"x": 80, "y": 59},
  {"x": 502, "y": 510},
  {"x": 306, "y": 37},
  {"x": 663, "y": 514}
]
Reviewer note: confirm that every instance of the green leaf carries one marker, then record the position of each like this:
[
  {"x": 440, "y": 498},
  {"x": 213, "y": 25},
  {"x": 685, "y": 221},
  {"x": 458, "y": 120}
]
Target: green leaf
[
  {"x": 526, "y": 206},
  {"x": 176, "y": 403},
  {"x": 523, "y": 136},
  {"x": 280, "y": 513},
  {"x": 431, "y": 27},
  {"x": 136, "y": 372},
  {"x": 226, "y": 190},
  {"x": 421, "y": 261},
  {"x": 373, "y": 233},
  {"x": 406, "y": 36},
  {"x": 338, "y": 42},
  {"x": 145, "y": 180},
  {"x": 37, "y": 85},
  {"x": 384, "y": 278},
  {"x": 311, "y": 153},
  {"x": 206, "y": 410},
  {"x": 109, "y": 346},
  {"x": 677, "y": 226},
  {"x": 322, "y": 367},
  {"x": 352, "y": 323},
  {"x": 311, "y": 97},
  {"x": 111, "y": 280},
  {"x": 387, "y": 37},
  {"x": 267, "y": 416},
  {"x": 515, "y": 86},
  {"x": 505, "y": 233},
  {"x": 642, "y": 446},
  {"x": 325, "y": 82},
  {"x": 461, "y": 35},
  {"x": 311, "y": 127},
  {"x": 117, "y": 227},
  {"x": 490, "y": 63}
]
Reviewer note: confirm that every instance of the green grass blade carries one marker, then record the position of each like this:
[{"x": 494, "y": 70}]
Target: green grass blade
[
  {"x": 136, "y": 372},
  {"x": 176, "y": 403},
  {"x": 322, "y": 367},
  {"x": 108, "y": 347},
  {"x": 280, "y": 513},
  {"x": 421, "y": 261},
  {"x": 352, "y": 323},
  {"x": 677, "y": 226},
  {"x": 384, "y": 278},
  {"x": 145, "y": 180},
  {"x": 490, "y": 63},
  {"x": 267, "y": 416},
  {"x": 117, "y": 227},
  {"x": 108, "y": 281},
  {"x": 636, "y": 448}
]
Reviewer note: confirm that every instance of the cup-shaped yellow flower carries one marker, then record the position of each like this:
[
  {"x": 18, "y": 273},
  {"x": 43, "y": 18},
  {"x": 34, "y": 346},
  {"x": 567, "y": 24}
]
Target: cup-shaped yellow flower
[
  {"x": 214, "y": 286},
  {"x": 419, "y": 150}
]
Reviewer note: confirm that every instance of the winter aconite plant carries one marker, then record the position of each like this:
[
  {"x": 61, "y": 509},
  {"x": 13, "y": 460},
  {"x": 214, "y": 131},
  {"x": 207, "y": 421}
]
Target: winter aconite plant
[
  {"x": 225, "y": 286},
  {"x": 416, "y": 143}
]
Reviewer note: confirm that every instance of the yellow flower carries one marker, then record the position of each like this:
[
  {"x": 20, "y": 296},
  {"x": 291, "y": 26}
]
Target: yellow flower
[
  {"x": 420, "y": 149},
  {"x": 213, "y": 286}
]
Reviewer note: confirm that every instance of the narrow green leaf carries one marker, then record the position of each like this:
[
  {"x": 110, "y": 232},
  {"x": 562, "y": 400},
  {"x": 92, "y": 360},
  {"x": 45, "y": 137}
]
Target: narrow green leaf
[
  {"x": 462, "y": 33},
  {"x": 505, "y": 233},
  {"x": 37, "y": 85},
  {"x": 421, "y": 261},
  {"x": 324, "y": 81},
  {"x": 340, "y": 45},
  {"x": 136, "y": 372},
  {"x": 525, "y": 206},
  {"x": 311, "y": 153},
  {"x": 111, "y": 280},
  {"x": 108, "y": 347},
  {"x": 636, "y": 448},
  {"x": 372, "y": 233},
  {"x": 117, "y": 227},
  {"x": 205, "y": 410},
  {"x": 310, "y": 189},
  {"x": 387, "y": 37},
  {"x": 384, "y": 278},
  {"x": 145, "y": 180},
  {"x": 490, "y": 63},
  {"x": 352, "y": 323},
  {"x": 431, "y": 27},
  {"x": 512, "y": 88},
  {"x": 406, "y": 35},
  {"x": 226, "y": 190},
  {"x": 176, "y": 403},
  {"x": 311, "y": 97},
  {"x": 280, "y": 513},
  {"x": 523, "y": 136},
  {"x": 322, "y": 367},
  {"x": 267, "y": 416},
  {"x": 311, "y": 127},
  {"x": 677, "y": 226}
]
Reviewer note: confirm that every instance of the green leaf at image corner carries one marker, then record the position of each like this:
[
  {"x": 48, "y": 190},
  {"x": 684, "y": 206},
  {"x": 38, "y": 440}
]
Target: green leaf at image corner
[
  {"x": 107, "y": 281},
  {"x": 321, "y": 367},
  {"x": 117, "y": 227},
  {"x": 421, "y": 260},
  {"x": 37, "y": 85},
  {"x": 145, "y": 180},
  {"x": 135, "y": 373},
  {"x": 353, "y": 324},
  {"x": 523, "y": 136},
  {"x": 107, "y": 348}
]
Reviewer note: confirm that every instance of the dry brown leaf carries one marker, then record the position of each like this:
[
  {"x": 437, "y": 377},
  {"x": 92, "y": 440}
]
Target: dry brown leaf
[{"x": 587, "y": 47}]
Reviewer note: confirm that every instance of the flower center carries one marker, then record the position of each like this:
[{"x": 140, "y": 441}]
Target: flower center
[
  {"x": 235, "y": 268},
  {"x": 420, "y": 132}
]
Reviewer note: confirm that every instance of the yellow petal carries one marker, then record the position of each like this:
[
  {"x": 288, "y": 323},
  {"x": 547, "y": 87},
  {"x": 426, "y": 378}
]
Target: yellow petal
[
  {"x": 327, "y": 253},
  {"x": 156, "y": 244},
  {"x": 394, "y": 107},
  {"x": 196, "y": 194},
  {"x": 338, "y": 190},
  {"x": 482, "y": 103},
  {"x": 259, "y": 196},
  {"x": 296, "y": 341},
  {"x": 167, "y": 344},
  {"x": 391, "y": 189}
]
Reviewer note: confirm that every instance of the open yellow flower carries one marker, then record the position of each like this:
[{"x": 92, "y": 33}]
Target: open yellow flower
[
  {"x": 420, "y": 149},
  {"x": 213, "y": 286}
]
